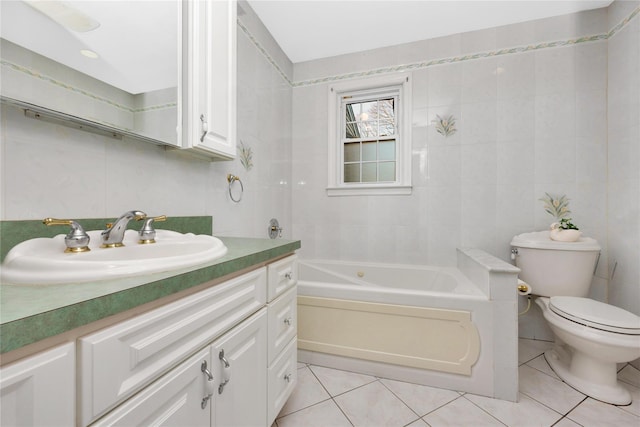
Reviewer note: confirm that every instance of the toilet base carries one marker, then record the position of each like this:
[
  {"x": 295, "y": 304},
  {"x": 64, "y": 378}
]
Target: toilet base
[{"x": 609, "y": 391}]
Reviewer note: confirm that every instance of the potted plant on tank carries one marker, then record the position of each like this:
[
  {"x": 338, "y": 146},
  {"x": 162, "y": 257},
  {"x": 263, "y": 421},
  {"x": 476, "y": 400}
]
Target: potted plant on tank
[{"x": 563, "y": 229}]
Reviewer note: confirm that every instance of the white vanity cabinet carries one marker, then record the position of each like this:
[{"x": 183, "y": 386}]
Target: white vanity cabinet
[
  {"x": 282, "y": 336},
  {"x": 202, "y": 390},
  {"x": 122, "y": 359},
  {"x": 39, "y": 390},
  {"x": 224, "y": 356},
  {"x": 209, "y": 90}
]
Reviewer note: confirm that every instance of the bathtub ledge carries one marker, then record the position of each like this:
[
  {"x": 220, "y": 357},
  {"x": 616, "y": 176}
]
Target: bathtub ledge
[{"x": 488, "y": 261}]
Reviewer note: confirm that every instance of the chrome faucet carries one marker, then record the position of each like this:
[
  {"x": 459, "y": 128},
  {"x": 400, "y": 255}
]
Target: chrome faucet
[{"x": 113, "y": 235}]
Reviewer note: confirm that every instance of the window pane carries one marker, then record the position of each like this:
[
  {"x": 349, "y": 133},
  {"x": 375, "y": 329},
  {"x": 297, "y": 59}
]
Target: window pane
[
  {"x": 369, "y": 173},
  {"x": 351, "y": 129},
  {"x": 352, "y": 152},
  {"x": 369, "y": 151},
  {"x": 387, "y": 128},
  {"x": 387, "y": 150},
  {"x": 387, "y": 171},
  {"x": 369, "y": 110},
  {"x": 352, "y": 173},
  {"x": 386, "y": 110},
  {"x": 353, "y": 110},
  {"x": 368, "y": 129}
]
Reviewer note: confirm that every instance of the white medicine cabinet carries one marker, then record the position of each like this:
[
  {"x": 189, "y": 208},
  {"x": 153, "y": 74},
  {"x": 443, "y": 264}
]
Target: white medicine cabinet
[
  {"x": 209, "y": 89},
  {"x": 172, "y": 83}
]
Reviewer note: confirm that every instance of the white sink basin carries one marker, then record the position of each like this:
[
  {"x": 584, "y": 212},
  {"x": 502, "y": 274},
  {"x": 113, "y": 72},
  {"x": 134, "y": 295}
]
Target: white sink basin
[{"x": 42, "y": 261}]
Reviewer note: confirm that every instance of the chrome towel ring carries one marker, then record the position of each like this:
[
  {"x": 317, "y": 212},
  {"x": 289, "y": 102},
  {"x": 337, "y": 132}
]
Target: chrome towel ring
[{"x": 231, "y": 179}]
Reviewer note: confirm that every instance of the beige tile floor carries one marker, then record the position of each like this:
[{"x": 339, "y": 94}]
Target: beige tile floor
[{"x": 327, "y": 397}]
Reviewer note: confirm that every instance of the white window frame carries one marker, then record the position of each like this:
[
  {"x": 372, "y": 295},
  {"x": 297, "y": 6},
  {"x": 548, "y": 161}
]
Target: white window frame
[{"x": 402, "y": 186}]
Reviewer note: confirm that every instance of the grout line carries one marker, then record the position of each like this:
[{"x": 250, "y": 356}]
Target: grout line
[
  {"x": 303, "y": 408},
  {"x": 565, "y": 418},
  {"x": 532, "y": 359},
  {"x": 441, "y": 406},
  {"x": 578, "y": 404},
  {"x": 403, "y": 402},
  {"x": 318, "y": 379},
  {"x": 556, "y": 377},
  {"x": 314, "y": 404},
  {"x": 555, "y": 410},
  {"x": 332, "y": 397},
  {"x": 485, "y": 411},
  {"x": 343, "y": 413}
]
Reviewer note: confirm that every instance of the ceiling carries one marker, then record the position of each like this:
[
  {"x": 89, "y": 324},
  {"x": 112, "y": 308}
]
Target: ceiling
[
  {"x": 312, "y": 29},
  {"x": 137, "y": 41}
]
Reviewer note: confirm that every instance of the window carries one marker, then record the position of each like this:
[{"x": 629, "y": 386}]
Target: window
[{"x": 369, "y": 137}]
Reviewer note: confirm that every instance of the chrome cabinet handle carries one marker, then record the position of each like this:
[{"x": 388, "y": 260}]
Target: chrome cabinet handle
[
  {"x": 227, "y": 371},
  {"x": 205, "y": 127},
  {"x": 287, "y": 321},
  {"x": 209, "y": 376},
  {"x": 287, "y": 378},
  {"x": 288, "y": 275}
]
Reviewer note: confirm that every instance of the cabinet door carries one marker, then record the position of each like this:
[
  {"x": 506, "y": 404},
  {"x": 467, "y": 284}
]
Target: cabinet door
[
  {"x": 119, "y": 360},
  {"x": 176, "y": 399},
  {"x": 39, "y": 390},
  {"x": 211, "y": 83},
  {"x": 239, "y": 361}
]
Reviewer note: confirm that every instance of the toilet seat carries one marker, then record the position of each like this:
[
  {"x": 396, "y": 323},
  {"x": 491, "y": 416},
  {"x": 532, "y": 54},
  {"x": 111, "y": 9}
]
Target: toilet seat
[{"x": 596, "y": 314}]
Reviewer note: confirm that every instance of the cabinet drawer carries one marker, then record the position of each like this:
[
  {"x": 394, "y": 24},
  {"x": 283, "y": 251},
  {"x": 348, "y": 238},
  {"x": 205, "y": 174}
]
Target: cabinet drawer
[
  {"x": 283, "y": 274},
  {"x": 282, "y": 322},
  {"x": 175, "y": 399},
  {"x": 283, "y": 375},
  {"x": 120, "y": 360}
]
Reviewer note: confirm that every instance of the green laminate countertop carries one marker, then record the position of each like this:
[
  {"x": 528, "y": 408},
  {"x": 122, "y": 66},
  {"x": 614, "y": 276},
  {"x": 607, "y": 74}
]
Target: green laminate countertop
[{"x": 32, "y": 313}]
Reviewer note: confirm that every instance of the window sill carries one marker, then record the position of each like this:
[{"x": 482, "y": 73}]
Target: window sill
[{"x": 373, "y": 190}]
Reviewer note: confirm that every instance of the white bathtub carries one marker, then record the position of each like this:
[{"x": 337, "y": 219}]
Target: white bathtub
[
  {"x": 393, "y": 283},
  {"x": 430, "y": 325}
]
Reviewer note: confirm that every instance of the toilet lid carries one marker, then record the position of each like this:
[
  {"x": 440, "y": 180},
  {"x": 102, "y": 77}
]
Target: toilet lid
[
  {"x": 596, "y": 314},
  {"x": 541, "y": 240}
]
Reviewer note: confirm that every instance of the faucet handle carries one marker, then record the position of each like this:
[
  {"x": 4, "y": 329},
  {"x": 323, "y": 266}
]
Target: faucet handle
[
  {"x": 147, "y": 233},
  {"x": 77, "y": 240}
]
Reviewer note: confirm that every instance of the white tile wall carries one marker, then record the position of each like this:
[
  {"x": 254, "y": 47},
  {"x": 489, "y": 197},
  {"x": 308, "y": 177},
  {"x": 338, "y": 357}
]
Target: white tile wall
[
  {"x": 523, "y": 120},
  {"x": 623, "y": 227}
]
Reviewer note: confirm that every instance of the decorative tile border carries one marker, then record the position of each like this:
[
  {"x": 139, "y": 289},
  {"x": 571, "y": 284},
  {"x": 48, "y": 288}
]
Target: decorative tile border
[
  {"x": 623, "y": 23},
  {"x": 441, "y": 61},
  {"x": 382, "y": 70},
  {"x": 454, "y": 59},
  {"x": 36, "y": 74},
  {"x": 264, "y": 52}
]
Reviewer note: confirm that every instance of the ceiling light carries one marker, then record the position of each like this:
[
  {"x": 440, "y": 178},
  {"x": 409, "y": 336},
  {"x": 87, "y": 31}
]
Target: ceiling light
[
  {"x": 65, "y": 15},
  {"x": 89, "y": 53}
]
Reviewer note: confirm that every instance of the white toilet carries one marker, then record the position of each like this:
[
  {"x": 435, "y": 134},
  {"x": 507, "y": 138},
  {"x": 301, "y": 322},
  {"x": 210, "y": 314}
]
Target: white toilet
[{"x": 591, "y": 337}]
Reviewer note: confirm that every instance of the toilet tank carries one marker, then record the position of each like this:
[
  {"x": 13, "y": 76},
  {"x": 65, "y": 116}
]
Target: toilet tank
[{"x": 554, "y": 268}]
